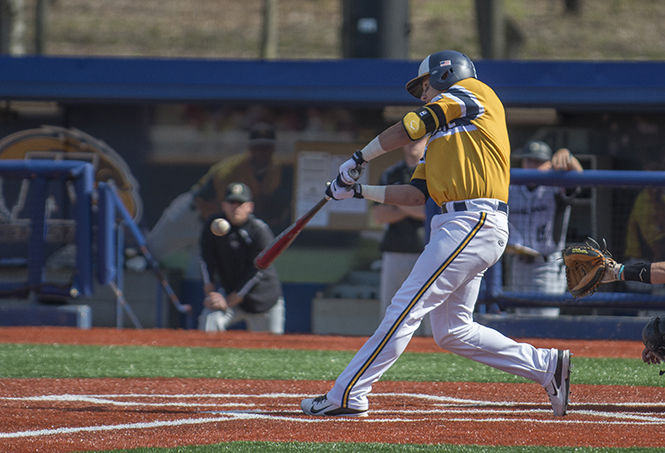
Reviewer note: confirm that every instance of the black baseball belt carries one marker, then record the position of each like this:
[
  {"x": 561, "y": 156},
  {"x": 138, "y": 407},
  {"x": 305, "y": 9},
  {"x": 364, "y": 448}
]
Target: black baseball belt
[{"x": 459, "y": 206}]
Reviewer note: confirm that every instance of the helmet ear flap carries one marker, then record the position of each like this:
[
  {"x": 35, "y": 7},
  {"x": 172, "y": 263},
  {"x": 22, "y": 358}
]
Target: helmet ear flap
[
  {"x": 445, "y": 75},
  {"x": 438, "y": 78}
]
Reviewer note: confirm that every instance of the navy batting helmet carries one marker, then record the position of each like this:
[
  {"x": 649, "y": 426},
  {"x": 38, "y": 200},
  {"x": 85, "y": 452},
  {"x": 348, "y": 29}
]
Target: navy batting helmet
[{"x": 444, "y": 69}]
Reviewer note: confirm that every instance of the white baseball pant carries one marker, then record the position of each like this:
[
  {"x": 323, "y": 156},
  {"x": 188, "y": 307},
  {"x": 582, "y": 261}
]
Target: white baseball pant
[
  {"x": 444, "y": 283},
  {"x": 268, "y": 321},
  {"x": 395, "y": 267}
]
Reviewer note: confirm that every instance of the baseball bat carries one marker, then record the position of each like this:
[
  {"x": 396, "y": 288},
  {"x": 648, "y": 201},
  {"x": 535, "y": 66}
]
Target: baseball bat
[
  {"x": 518, "y": 249},
  {"x": 264, "y": 259},
  {"x": 247, "y": 287},
  {"x": 242, "y": 292}
]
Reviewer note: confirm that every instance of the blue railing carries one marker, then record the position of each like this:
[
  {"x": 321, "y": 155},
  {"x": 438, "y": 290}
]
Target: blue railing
[
  {"x": 493, "y": 288},
  {"x": 112, "y": 217},
  {"x": 40, "y": 173},
  {"x": 588, "y": 178},
  {"x": 108, "y": 221}
]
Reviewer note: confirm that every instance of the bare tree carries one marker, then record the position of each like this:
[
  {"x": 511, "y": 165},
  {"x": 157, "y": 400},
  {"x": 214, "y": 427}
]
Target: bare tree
[
  {"x": 12, "y": 27},
  {"x": 269, "y": 30},
  {"x": 41, "y": 16},
  {"x": 499, "y": 35}
]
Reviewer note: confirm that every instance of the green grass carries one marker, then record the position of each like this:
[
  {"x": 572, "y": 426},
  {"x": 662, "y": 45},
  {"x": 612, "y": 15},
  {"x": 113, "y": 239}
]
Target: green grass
[
  {"x": 71, "y": 361},
  {"x": 307, "y": 447}
]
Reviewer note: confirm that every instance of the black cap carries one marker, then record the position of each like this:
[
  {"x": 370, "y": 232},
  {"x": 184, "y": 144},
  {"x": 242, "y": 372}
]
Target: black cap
[
  {"x": 262, "y": 134},
  {"x": 237, "y": 191},
  {"x": 536, "y": 150}
]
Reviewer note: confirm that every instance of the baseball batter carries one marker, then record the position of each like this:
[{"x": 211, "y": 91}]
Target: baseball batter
[{"x": 466, "y": 171}]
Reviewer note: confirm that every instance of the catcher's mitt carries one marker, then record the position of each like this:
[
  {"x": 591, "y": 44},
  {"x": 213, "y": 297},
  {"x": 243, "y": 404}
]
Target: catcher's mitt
[
  {"x": 585, "y": 267},
  {"x": 653, "y": 337}
]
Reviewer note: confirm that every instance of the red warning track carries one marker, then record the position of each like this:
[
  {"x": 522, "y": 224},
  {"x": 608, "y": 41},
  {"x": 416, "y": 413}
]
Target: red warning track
[{"x": 95, "y": 414}]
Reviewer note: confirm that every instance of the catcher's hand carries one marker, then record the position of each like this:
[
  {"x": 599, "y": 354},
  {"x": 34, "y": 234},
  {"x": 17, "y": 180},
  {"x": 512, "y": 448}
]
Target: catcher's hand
[{"x": 587, "y": 266}]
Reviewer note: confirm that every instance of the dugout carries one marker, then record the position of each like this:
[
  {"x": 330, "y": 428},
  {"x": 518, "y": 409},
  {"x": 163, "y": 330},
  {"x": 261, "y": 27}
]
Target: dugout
[{"x": 171, "y": 119}]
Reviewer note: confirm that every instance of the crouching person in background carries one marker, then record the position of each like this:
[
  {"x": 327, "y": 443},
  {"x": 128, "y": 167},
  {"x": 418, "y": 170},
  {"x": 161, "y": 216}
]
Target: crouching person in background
[{"x": 234, "y": 290}]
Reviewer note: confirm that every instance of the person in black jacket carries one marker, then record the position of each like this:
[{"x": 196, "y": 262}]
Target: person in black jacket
[{"x": 235, "y": 290}]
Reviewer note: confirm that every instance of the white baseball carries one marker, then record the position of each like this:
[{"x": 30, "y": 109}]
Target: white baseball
[{"x": 220, "y": 227}]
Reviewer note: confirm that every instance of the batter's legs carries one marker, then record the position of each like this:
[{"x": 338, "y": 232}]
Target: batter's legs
[
  {"x": 378, "y": 353},
  {"x": 444, "y": 282},
  {"x": 455, "y": 331}
]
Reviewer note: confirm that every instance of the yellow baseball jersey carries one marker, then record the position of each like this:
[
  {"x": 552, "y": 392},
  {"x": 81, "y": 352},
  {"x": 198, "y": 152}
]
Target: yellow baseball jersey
[{"x": 468, "y": 152}]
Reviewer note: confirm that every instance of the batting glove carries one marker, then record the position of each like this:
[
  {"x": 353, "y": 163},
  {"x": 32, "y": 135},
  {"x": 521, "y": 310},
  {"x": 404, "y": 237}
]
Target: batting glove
[
  {"x": 350, "y": 170},
  {"x": 337, "y": 191},
  {"x": 357, "y": 190}
]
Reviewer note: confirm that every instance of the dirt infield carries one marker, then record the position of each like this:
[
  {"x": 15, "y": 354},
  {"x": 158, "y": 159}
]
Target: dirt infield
[
  {"x": 242, "y": 339},
  {"x": 79, "y": 414}
]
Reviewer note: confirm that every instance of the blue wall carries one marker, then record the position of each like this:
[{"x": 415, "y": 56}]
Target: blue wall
[{"x": 564, "y": 84}]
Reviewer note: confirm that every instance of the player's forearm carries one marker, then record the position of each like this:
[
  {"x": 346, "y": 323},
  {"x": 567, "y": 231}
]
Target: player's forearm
[
  {"x": 563, "y": 159},
  {"x": 574, "y": 164},
  {"x": 658, "y": 273},
  {"x": 653, "y": 273},
  {"x": 404, "y": 195},
  {"x": 349, "y": 171},
  {"x": 392, "y": 138}
]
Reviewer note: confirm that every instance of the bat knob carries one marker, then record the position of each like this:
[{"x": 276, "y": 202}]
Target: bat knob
[{"x": 354, "y": 173}]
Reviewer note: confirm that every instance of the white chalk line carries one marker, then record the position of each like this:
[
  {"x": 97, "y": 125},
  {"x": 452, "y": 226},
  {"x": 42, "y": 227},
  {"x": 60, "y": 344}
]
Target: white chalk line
[
  {"x": 495, "y": 411},
  {"x": 423, "y": 396}
]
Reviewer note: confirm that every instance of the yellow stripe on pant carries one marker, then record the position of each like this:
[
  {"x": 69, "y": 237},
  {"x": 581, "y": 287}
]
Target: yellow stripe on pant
[{"x": 416, "y": 298}]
